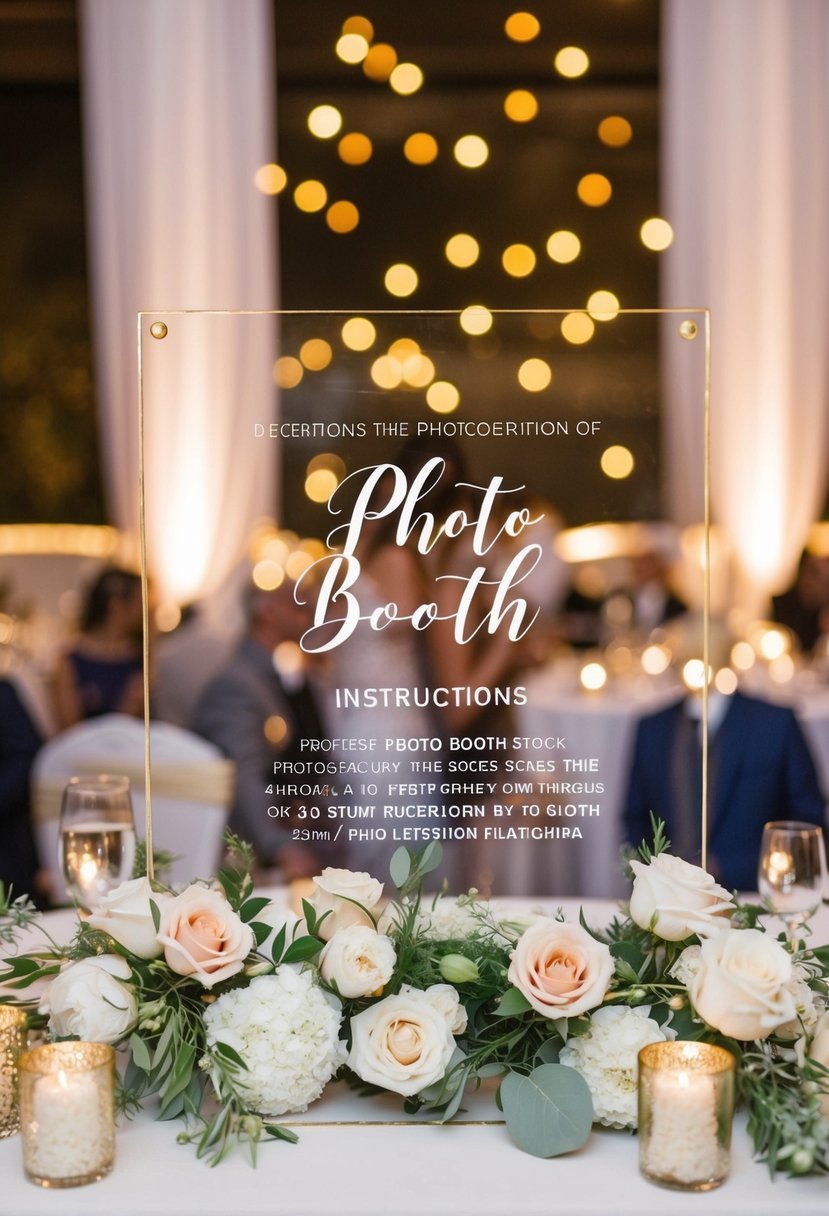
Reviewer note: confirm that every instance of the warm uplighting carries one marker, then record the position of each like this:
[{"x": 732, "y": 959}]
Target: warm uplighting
[
  {"x": 743, "y": 656},
  {"x": 400, "y": 280},
  {"x": 534, "y": 375},
  {"x": 354, "y": 148},
  {"x": 655, "y": 660},
  {"x": 406, "y": 79},
  {"x": 476, "y": 319},
  {"x": 297, "y": 564},
  {"x": 326, "y": 460},
  {"x": 84, "y": 540},
  {"x": 781, "y": 669},
  {"x": 342, "y": 216},
  {"x": 693, "y": 675},
  {"x": 471, "y": 151},
  {"x": 771, "y": 642},
  {"x": 522, "y": 27},
  {"x": 358, "y": 333},
  {"x": 462, "y": 250},
  {"x": 320, "y": 485},
  {"x": 442, "y": 397},
  {"x": 521, "y": 105},
  {"x": 518, "y": 261},
  {"x": 275, "y": 729},
  {"x": 615, "y": 131},
  {"x": 420, "y": 148},
  {"x": 287, "y": 372},
  {"x": 593, "y": 677},
  {"x": 315, "y": 354},
  {"x": 270, "y": 179},
  {"x": 725, "y": 681},
  {"x": 656, "y": 234},
  {"x": 386, "y": 372},
  {"x": 267, "y": 575},
  {"x": 571, "y": 61},
  {"x": 418, "y": 370},
  {"x": 352, "y": 48},
  {"x": 167, "y": 616},
  {"x": 594, "y": 190},
  {"x": 325, "y": 121},
  {"x": 359, "y": 25},
  {"x": 310, "y": 196},
  {"x": 577, "y": 328},
  {"x": 402, "y": 348},
  {"x": 563, "y": 246},
  {"x": 288, "y": 656},
  {"x": 380, "y": 61},
  {"x": 603, "y": 306},
  {"x": 617, "y": 462}
]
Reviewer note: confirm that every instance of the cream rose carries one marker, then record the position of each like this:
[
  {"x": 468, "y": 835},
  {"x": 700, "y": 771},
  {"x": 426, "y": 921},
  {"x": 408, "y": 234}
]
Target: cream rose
[
  {"x": 445, "y": 999},
  {"x": 92, "y": 1000},
  {"x": 348, "y": 896},
  {"x": 125, "y": 915},
  {"x": 402, "y": 1043},
  {"x": 202, "y": 936},
  {"x": 560, "y": 968},
  {"x": 739, "y": 987},
  {"x": 819, "y": 1050},
  {"x": 358, "y": 960},
  {"x": 676, "y": 899}
]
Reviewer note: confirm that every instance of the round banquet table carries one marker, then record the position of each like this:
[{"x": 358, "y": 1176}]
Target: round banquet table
[{"x": 355, "y": 1159}]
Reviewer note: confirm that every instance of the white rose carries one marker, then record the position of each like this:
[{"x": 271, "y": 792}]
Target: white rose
[
  {"x": 560, "y": 968},
  {"x": 680, "y": 899},
  {"x": 348, "y": 896},
  {"x": 402, "y": 1043},
  {"x": 358, "y": 960},
  {"x": 203, "y": 937},
  {"x": 90, "y": 999},
  {"x": 819, "y": 1050},
  {"x": 446, "y": 1001},
  {"x": 740, "y": 985},
  {"x": 125, "y": 915}
]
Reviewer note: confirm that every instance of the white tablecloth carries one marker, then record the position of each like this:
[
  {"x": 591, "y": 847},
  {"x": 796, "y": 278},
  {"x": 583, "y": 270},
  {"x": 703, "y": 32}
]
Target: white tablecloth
[{"x": 422, "y": 1170}]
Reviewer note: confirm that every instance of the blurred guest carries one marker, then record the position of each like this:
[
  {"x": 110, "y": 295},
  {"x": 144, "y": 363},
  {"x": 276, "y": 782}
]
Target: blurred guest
[
  {"x": 257, "y": 709},
  {"x": 759, "y": 769},
  {"x": 19, "y": 742},
  {"x": 804, "y": 608},
  {"x": 101, "y": 672}
]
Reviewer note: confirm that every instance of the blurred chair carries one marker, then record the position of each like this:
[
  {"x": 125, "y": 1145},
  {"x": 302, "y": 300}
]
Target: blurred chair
[{"x": 192, "y": 788}]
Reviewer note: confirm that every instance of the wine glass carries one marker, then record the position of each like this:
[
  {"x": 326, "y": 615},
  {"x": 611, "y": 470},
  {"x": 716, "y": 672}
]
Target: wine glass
[
  {"x": 97, "y": 837},
  {"x": 791, "y": 876}
]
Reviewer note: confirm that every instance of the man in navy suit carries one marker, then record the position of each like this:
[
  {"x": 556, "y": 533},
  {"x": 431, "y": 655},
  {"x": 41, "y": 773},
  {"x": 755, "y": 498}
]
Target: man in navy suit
[
  {"x": 760, "y": 769},
  {"x": 19, "y": 743}
]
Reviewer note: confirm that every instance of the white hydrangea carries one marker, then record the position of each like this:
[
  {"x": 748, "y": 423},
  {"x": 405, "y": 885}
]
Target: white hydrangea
[
  {"x": 808, "y": 1008},
  {"x": 687, "y": 965},
  {"x": 606, "y": 1056},
  {"x": 286, "y": 1029},
  {"x": 451, "y": 918}
]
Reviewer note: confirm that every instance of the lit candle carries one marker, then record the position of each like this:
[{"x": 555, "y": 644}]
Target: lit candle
[
  {"x": 686, "y": 1098},
  {"x": 67, "y": 1120}
]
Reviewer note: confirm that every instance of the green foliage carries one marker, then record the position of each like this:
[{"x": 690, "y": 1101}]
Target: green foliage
[{"x": 549, "y": 1112}]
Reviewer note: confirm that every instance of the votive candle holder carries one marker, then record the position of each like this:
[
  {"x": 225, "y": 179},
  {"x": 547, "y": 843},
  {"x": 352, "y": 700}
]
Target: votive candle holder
[
  {"x": 686, "y": 1108},
  {"x": 13, "y": 1023},
  {"x": 67, "y": 1113}
]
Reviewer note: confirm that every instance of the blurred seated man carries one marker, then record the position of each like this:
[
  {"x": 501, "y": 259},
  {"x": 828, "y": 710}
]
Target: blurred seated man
[
  {"x": 19, "y": 743},
  {"x": 256, "y": 715},
  {"x": 759, "y": 769}
]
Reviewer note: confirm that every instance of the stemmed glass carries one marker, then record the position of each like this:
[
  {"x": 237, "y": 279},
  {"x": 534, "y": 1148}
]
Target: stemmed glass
[
  {"x": 97, "y": 837},
  {"x": 791, "y": 876}
]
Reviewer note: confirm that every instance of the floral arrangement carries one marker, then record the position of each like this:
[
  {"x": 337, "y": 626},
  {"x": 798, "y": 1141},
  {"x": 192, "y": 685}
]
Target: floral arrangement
[{"x": 234, "y": 1012}]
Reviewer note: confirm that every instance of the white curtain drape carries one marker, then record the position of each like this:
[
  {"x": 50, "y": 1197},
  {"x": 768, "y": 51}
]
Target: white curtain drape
[
  {"x": 178, "y": 100},
  {"x": 746, "y": 187}
]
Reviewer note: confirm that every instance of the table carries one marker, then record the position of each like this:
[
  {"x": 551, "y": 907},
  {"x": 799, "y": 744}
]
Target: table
[{"x": 424, "y": 1170}]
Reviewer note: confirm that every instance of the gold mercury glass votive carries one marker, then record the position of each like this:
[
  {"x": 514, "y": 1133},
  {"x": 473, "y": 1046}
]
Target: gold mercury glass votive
[
  {"x": 67, "y": 1113},
  {"x": 686, "y": 1106},
  {"x": 12, "y": 1044}
]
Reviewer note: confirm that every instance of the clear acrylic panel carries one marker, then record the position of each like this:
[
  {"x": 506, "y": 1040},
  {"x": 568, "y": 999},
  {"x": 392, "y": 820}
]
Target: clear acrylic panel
[{"x": 420, "y": 574}]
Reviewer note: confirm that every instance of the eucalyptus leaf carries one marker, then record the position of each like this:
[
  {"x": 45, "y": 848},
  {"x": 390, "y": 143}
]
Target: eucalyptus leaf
[
  {"x": 548, "y": 1113},
  {"x": 400, "y": 867},
  {"x": 511, "y": 1004},
  {"x": 140, "y": 1053}
]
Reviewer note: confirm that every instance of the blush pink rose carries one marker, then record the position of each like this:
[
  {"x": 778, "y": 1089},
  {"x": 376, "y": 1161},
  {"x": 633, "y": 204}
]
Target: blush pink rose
[
  {"x": 202, "y": 936},
  {"x": 560, "y": 968}
]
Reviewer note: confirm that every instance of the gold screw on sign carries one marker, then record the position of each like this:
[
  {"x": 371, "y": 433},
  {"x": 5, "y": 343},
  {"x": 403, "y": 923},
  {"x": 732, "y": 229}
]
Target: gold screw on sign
[
  {"x": 687, "y": 330},
  {"x": 158, "y": 330}
]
